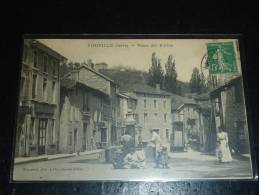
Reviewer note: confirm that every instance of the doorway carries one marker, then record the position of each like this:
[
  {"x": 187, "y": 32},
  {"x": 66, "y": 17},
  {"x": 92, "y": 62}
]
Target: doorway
[
  {"x": 84, "y": 137},
  {"x": 42, "y": 136},
  {"x": 103, "y": 137}
]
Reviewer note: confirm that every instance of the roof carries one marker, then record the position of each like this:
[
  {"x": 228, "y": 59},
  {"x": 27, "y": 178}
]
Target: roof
[
  {"x": 144, "y": 88},
  {"x": 178, "y": 101},
  {"x": 130, "y": 95},
  {"x": 202, "y": 97},
  {"x": 92, "y": 70},
  {"x": 122, "y": 95},
  {"x": 44, "y": 47},
  {"x": 71, "y": 83},
  {"x": 226, "y": 85},
  {"x": 186, "y": 104}
]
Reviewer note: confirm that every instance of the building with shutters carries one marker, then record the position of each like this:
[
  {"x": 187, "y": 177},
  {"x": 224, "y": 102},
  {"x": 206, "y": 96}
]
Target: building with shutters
[
  {"x": 88, "y": 111},
  {"x": 38, "y": 113},
  {"x": 153, "y": 111}
]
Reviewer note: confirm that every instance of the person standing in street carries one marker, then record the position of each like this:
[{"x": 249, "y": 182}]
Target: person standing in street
[
  {"x": 156, "y": 145},
  {"x": 92, "y": 141},
  {"x": 223, "y": 153}
]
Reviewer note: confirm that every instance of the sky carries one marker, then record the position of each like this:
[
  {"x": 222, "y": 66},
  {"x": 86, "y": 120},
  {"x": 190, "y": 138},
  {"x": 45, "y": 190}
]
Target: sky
[{"x": 135, "y": 53}]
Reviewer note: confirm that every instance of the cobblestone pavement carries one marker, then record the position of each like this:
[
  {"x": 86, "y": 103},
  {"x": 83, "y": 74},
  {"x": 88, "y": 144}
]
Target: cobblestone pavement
[{"x": 185, "y": 165}]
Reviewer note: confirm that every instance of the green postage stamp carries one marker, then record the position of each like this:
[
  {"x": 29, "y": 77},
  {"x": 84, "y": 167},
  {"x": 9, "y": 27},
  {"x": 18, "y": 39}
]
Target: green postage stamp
[{"x": 221, "y": 58}]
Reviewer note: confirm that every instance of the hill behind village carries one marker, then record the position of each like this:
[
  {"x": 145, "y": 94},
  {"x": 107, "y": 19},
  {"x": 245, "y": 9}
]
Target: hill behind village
[{"x": 128, "y": 78}]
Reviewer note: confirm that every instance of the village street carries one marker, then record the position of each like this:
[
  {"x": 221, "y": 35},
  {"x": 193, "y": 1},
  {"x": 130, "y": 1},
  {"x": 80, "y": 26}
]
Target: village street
[{"x": 182, "y": 165}]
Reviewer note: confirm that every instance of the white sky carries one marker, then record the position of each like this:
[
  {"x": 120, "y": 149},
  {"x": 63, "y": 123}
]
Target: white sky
[{"x": 186, "y": 52}]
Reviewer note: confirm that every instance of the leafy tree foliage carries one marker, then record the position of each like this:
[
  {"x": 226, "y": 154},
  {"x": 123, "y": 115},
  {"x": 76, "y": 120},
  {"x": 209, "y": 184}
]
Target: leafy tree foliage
[
  {"x": 197, "y": 82},
  {"x": 170, "y": 80},
  {"x": 155, "y": 73}
]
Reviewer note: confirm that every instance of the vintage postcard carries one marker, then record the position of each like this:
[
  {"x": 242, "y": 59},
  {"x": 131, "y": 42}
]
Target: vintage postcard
[{"x": 132, "y": 110}]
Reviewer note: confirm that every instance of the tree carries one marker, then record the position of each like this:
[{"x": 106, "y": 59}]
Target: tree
[
  {"x": 170, "y": 80},
  {"x": 203, "y": 84},
  {"x": 195, "y": 82},
  {"x": 155, "y": 73}
]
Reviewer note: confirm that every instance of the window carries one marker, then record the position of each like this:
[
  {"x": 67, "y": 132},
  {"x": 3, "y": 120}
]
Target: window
[
  {"x": 54, "y": 92},
  {"x": 103, "y": 135},
  {"x": 35, "y": 59},
  {"x": 34, "y": 82},
  {"x": 164, "y": 104},
  {"x": 86, "y": 103},
  {"x": 22, "y": 93},
  {"x": 74, "y": 113},
  {"x": 154, "y": 103},
  {"x": 167, "y": 134},
  {"x": 145, "y": 103},
  {"x": 54, "y": 67},
  {"x": 25, "y": 53},
  {"x": 52, "y": 135},
  {"x": 77, "y": 114},
  {"x": 217, "y": 107},
  {"x": 113, "y": 135},
  {"x": 71, "y": 113},
  {"x": 70, "y": 138},
  {"x": 155, "y": 114},
  {"x": 44, "y": 89},
  {"x": 130, "y": 105},
  {"x": 45, "y": 63},
  {"x": 165, "y": 118},
  {"x": 145, "y": 117}
]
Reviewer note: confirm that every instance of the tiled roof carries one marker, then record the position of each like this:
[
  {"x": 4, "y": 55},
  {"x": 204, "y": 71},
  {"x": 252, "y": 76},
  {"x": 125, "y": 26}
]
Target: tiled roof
[
  {"x": 227, "y": 84},
  {"x": 143, "y": 88},
  {"x": 178, "y": 100}
]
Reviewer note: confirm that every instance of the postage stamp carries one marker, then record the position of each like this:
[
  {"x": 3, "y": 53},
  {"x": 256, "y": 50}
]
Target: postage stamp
[{"x": 221, "y": 58}]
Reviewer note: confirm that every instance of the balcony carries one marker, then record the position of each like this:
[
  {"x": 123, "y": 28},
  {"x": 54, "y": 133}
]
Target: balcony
[
  {"x": 44, "y": 108},
  {"x": 25, "y": 109}
]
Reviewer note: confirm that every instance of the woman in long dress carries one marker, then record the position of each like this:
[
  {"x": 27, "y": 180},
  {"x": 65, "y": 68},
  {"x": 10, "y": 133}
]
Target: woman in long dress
[{"x": 224, "y": 154}]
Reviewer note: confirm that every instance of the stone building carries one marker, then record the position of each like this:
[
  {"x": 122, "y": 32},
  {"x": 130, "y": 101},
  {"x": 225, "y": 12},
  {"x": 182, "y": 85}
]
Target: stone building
[
  {"x": 88, "y": 111},
  {"x": 154, "y": 112},
  {"x": 38, "y": 113},
  {"x": 229, "y": 112}
]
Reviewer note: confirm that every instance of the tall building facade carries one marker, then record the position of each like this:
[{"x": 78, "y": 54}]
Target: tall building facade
[
  {"x": 38, "y": 113},
  {"x": 88, "y": 111},
  {"x": 154, "y": 112}
]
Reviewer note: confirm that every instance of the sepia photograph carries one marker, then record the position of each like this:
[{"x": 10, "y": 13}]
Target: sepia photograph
[{"x": 131, "y": 110}]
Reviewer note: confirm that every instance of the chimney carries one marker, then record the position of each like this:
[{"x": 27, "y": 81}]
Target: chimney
[{"x": 158, "y": 87}]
